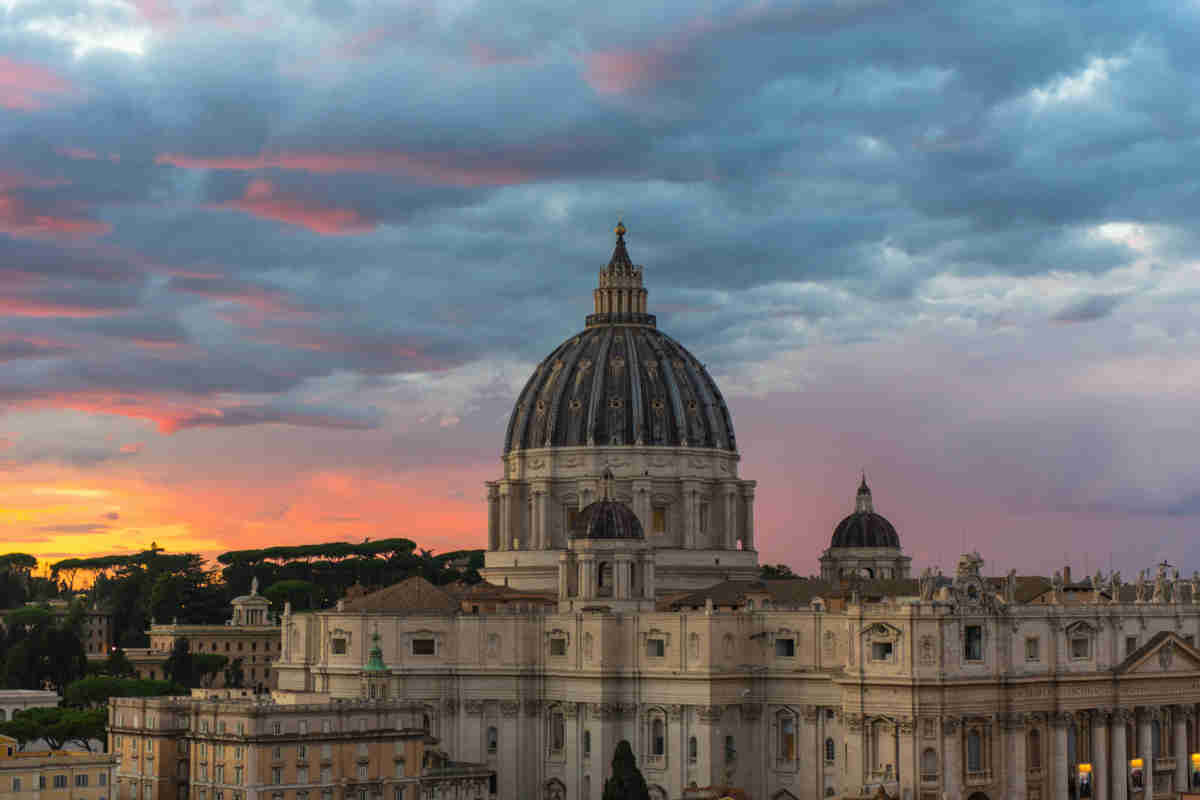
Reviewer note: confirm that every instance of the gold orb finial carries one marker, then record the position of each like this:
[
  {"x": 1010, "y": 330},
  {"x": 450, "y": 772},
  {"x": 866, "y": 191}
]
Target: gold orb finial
[{"x": 620, "y": 229}]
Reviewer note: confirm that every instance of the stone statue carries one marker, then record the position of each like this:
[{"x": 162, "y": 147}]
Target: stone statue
[
  {"x": 1010, "y": 586},
  {"x": 1141, "y": 586},
  {"x": 1114, "y": 587},
  {"x": 626, "y": 782},
  {"x": 1057, "y": 581},
  {"x": 1195, "y": 587},
  {"x": 1160, "y": 587},
  {"x": 254, "y": 586},
  {"x": 927, "y": 585}
]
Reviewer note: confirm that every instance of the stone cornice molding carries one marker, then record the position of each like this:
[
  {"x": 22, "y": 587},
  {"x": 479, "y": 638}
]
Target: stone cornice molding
[
  {"x": 510, "y": 708},
  {"x": 710, "y": 713}
]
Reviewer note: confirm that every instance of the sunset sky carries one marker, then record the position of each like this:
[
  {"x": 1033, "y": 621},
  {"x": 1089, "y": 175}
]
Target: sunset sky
[{"x": 274, "y": 272}]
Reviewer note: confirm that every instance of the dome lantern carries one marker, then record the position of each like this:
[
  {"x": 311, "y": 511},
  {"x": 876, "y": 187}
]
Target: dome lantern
[{"x": 619, "y": 296}]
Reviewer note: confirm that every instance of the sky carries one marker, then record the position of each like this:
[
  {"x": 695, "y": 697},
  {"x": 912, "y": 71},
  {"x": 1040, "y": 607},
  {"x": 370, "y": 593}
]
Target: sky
[{"x": 274, "y": 272}]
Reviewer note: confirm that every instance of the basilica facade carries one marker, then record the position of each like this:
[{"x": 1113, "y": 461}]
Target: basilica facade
[{"x": 625, "y": 604}]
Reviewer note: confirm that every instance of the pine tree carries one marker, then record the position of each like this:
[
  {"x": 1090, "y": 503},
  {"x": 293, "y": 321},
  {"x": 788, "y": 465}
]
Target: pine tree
[{"x": 626, "y": 782}]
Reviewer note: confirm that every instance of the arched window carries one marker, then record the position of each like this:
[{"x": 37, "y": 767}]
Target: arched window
[
  {"x": 493, "y": 739},
  {"x": 425, "y": 722},
  {"x": 693, "y": 750},
  {"x": 587, "y": 744},
  {"x": 974, "y": 752},
  {"x": 830, "y": 751},
  {"x": 929, "y": 763},
  {"x": 658, "y": 737},
  {"x": 787, "y": 737},
  {"x": 1034, "y": 755}
]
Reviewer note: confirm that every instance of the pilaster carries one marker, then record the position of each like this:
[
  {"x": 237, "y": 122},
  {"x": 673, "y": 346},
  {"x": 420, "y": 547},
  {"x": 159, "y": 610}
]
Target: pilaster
[{"x": 952, "y": 759}]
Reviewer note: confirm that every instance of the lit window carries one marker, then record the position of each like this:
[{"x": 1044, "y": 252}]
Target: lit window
[{"x": 660, "y": 520}]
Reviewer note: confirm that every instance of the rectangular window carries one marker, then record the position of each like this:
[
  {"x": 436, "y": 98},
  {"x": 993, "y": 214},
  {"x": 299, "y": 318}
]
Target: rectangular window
[
  {"x": 303, "y": 726},
  {"x": 81, "y": 780},
  {"x": 60, "y": 781},
  {"x": 326, "y": 775},
  {"x": 572, "y": 515},
  {"x": 16, "y": 784},
  {"x": 302, "y": 775},
  {"x": 656, "y": 648},
  {"x": 220, "y": 727},
  {"x": 362, "y": 772},
  {"x": 660, "y": 520},
  {"x": 276, "y": 753},
  {"x": 276, "y": 775},
  {"x": 881, "y": 651},
  {"x": 558, "y": 646},
  {"x": 326, "y": 751},
  {"x": 974, "y": 643},
  {"x": 362, "y": 750},
  {"x": 103, "y": 779},
  {"x": 326, "y": 726},
  {"x": 785, "y": 648},
  {"x": 339, "y": 646},
  {"x": 704, "y": 517},
  {"x": 237, "y": 775},
  {"x": 41, "y": 781},
  {"x": 1130, "y": 644},
  {"x": 1081, "y": 647},
  {"x": 219, "y": 773},
  {"x": 424, "y": 647},
  {"x": 301, "y": 752},
  {"x": 1031, "y": 649},
  {"x": 237, "y": 753},
  {"x": 276, "y": 728}
]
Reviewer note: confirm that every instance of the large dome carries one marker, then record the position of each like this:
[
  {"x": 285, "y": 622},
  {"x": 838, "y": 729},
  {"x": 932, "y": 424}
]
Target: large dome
[
  {"x": 607, "y": 518},
  {"x": 865, "y": 528},
  {"x": 620, "y": 381}
]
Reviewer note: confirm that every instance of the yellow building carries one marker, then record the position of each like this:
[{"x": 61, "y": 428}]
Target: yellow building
[
  {"x": 54, "y": 774},
  {"x": 236, "y": 745}
]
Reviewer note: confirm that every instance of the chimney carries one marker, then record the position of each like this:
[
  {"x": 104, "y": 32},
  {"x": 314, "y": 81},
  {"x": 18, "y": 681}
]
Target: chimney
[{"x": 1067, "y": 574}]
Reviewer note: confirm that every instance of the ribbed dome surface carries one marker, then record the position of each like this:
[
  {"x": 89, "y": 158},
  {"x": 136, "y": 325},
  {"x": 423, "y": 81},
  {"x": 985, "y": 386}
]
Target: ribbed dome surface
[
  {"x": 620, "y": 384},
  {"x": 865, "y": 529},
  {"x": 607, "y": 519}
]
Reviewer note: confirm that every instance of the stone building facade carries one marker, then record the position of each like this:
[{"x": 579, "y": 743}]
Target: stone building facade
[
  {"x": 231, "y": 745},
  {"x": 54, "y": 774}
]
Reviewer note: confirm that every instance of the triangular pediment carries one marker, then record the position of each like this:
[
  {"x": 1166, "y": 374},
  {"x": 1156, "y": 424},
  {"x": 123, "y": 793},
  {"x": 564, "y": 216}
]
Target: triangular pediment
[{"x": 1165, "y": 653}]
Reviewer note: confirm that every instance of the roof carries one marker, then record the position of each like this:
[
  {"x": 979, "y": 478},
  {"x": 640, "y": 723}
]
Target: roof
[
  {"x": 607, "y": 519},
  {"x": 413, "y": 595},
  {"x": 865, "y": 529},
  {"x": 794, "y": 592},
  {"x": 620, "y": 381}
]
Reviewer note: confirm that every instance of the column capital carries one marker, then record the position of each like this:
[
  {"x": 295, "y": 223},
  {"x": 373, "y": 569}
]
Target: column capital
[
  {"x": 1061, "y": 719},
  {"x": 710, "y": 714},
  {"x": 853, "y": 722},
  {"x": 950, "y": 726},
  {"x": 1013, "y": 721},
  {"x": 752, "y": 712},
  {"x": 1186, "y": 713},
  {"x": 809, "y": 713},
  {"x": 1121, "y": 716},
  {"x": 906, "y": 725}
]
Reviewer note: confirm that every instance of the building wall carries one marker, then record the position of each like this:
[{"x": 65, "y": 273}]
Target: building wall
[
  {"x": 67, "y": 775},
  {"x": 14, "y": 700},
  {"x": 736, "y": 675}
]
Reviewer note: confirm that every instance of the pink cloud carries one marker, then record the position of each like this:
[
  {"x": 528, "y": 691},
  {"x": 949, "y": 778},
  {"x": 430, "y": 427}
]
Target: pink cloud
[
  {"x": 263, "y": 199},
  {"x": 23, "y": 86},
  {"x": 620, "y": 71},
  {"x": 158, "y": 13},
  {"x": 435, "y": 168},
  {"x": 17, "y": 219}
]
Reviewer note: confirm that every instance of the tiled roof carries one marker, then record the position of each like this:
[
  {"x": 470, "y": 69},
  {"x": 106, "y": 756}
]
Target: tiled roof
[{"x": 413, "y": 595}]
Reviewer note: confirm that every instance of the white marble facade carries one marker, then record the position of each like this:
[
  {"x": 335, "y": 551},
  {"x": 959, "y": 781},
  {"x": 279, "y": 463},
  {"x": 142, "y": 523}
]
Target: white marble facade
[{"x": 962, "y": 695}]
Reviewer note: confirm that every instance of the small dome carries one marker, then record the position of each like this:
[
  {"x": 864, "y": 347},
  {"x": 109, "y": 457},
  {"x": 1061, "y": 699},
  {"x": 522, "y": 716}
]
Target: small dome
[
  {"x": 865, "y": 528},
  {"x": 607, "y": 518}
]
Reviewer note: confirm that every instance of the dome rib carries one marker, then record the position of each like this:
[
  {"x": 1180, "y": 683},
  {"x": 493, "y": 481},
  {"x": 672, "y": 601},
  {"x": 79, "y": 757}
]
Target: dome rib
[{"x": 595, "y": 420}]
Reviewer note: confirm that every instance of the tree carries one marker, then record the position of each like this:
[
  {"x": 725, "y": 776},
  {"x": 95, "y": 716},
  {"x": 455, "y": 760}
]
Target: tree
[
  {"x": 626, "y": 782},
  {"x": 234, "y": 674},
  {"x": 179, "y": 667},
  {"x": 57, "y": 726},
  {"x": 206, "y": 667},
  {"x": 95, "y": 690},
  {"x": 301, "y": 594},
  {"x": 41, "y": 651},
  {"x": 118, "y": 664},
  {"x": 776, "y": 571}
]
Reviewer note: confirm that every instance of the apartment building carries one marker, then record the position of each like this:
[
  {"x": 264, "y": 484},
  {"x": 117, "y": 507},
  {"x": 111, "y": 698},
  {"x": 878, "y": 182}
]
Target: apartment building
[
  {"x": 54, "y": 774},
  {"x": 237, "y": 745}
]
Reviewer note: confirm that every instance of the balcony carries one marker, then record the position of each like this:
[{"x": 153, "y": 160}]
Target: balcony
[{"x": 980, "y": 777}]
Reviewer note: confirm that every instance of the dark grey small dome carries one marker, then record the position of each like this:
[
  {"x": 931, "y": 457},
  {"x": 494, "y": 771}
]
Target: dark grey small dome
[
  {"x": 607, "y": 519},
  {"x": 865, "y": 529}
]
